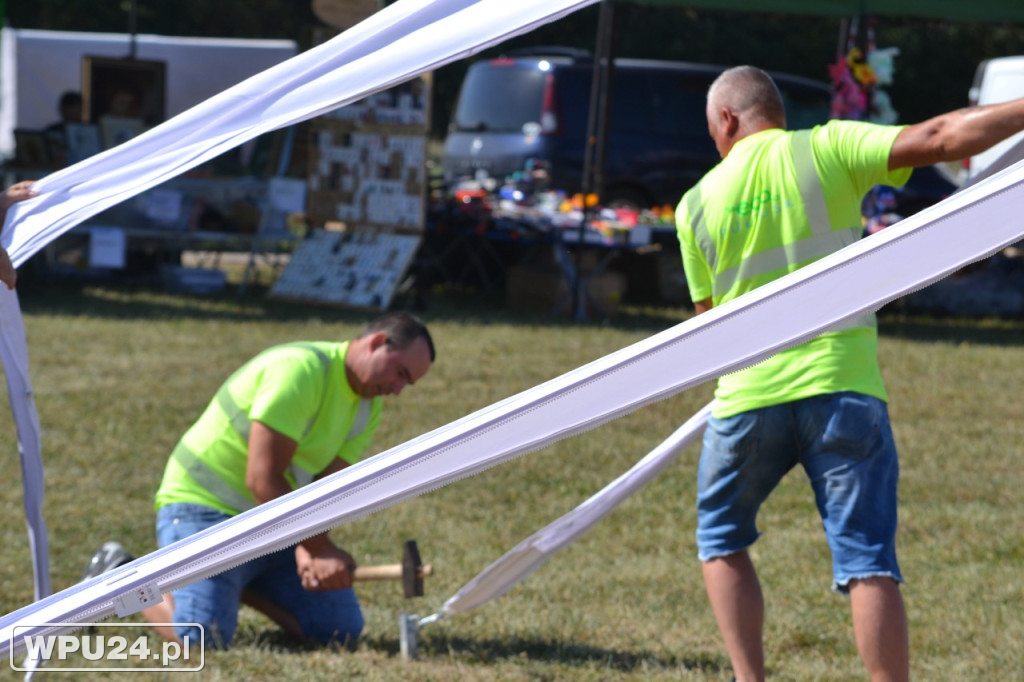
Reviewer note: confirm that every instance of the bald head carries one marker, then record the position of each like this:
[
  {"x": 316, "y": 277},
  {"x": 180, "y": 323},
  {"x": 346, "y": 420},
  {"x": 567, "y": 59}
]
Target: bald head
[{"x": 743, "y": 100}]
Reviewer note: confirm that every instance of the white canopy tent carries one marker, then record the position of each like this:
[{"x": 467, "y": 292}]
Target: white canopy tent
[
  {"x": 408, "y": 38},
  {"x": 36, "y": 67},
  {"x": 405, "y": 40}
]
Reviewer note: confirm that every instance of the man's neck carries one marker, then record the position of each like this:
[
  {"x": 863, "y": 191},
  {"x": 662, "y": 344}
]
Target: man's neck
[{"x": 748, "y": 129}]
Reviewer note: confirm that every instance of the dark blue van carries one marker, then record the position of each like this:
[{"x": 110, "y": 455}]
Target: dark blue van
[{"x": 534, "y": 108}]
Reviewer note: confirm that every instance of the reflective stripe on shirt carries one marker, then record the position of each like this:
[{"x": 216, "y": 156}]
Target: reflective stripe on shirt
[
  {"x": 209, "y": 479},
  {"x": 695, "y": 207},
  {"x": 822, "y": 241}
]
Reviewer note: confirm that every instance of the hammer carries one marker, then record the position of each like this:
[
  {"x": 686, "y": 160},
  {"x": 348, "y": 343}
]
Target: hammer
[{"x": 411, "y": 571}]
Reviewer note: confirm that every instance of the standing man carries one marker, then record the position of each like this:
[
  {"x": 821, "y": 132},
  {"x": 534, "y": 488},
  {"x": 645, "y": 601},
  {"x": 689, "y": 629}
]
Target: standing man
[
  {"x": 777, "y": 201},
  {"x": 294, "y": 413}
]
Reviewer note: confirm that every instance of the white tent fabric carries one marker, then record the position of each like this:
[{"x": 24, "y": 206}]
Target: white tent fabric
[
  {"x": 402, "y": 41},
  {"x": 522, "y": 560},
  {"x": 962, "y": 229},
  {"x": 14, "y": 351},
  {"x": 529, "y": 555},
  {"x": 405, "y": 39}
]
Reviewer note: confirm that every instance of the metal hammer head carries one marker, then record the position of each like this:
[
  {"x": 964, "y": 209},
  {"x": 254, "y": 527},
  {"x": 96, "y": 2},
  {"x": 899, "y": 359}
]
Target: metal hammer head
[{"x": 412, "y": 570}]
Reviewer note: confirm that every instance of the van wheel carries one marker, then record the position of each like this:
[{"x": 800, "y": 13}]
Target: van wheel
[{"x": 625, "y": 197}]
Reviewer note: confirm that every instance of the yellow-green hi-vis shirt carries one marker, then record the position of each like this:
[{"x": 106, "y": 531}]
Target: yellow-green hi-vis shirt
[
  {"x": 778, "y": 201},
  {"x": 299, "y": 390}
]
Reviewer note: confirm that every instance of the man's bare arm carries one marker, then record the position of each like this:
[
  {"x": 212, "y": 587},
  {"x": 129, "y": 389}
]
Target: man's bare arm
[
  {"x": 703, "y": 306},
  {"x": 270, "y": 453},
  {"x": 320, "y": 563},
  {"x": 956, "y": 135}
]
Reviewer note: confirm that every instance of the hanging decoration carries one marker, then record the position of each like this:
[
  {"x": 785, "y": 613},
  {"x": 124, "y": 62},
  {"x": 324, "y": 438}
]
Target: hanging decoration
[{"x": 860, "y": 74}]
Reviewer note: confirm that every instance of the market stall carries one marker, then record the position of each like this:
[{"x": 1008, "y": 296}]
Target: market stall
[
  {"x": 115, "y": 87},
  {"x": 367, "y": 193}
]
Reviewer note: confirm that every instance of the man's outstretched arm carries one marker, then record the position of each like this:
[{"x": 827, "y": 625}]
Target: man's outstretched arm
[{"x": 956, "y": 135}]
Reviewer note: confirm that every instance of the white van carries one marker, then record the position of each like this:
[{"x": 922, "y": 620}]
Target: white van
[{"x": 996, "y": 80}]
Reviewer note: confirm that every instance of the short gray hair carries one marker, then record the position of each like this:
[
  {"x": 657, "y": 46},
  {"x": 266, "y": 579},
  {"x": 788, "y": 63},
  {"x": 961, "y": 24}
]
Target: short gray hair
[{"x": 748, "y": 89}]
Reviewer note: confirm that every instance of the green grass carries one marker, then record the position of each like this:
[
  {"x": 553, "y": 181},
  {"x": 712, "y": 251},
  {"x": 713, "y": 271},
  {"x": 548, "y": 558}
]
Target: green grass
[{"x": 120, "y": 373}]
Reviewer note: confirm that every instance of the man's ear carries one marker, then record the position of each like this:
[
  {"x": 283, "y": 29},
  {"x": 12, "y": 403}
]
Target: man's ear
[
  {"x": 377, "y": 340},
  {"x": 730, "y": 123}
]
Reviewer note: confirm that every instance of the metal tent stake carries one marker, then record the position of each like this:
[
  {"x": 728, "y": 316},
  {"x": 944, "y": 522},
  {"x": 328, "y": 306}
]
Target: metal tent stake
[{"x": 408, "y": 634}]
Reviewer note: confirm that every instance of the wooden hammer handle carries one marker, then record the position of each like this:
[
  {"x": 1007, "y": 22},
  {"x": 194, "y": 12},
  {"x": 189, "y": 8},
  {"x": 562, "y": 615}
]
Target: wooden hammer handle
[{"x": 387, "y": 572}]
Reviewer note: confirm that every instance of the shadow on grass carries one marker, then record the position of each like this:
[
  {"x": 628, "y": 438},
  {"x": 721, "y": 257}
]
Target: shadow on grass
[
  {"x": 125, "y": 301},
  {"x": 141, "y": 302},
  {"x": 951, "y": 330},
  {"x": 493, "y": 651},
  {"x": 458, "y": 306},
  {"x": 497, "y": 651}
]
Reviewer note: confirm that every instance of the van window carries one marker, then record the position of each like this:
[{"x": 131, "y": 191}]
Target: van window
[
  {"x": 679, "y": 106},
  {"x": 642, "y": 103},
  {"x": 501, "y": 99}
]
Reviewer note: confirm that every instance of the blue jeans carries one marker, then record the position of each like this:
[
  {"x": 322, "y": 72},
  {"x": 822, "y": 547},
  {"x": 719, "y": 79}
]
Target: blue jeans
[
  {"x": 323, "y": 616},
  {"x": 845, "y": 445}
]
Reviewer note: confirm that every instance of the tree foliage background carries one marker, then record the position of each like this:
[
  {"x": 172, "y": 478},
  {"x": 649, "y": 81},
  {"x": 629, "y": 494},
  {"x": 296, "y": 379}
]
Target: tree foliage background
[{"x": 933, "y": 71}]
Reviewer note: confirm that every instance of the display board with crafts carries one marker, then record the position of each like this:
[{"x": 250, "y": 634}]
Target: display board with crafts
[
  {"x": 367, "y": 193},
  {"x": 359, "y": 268}
]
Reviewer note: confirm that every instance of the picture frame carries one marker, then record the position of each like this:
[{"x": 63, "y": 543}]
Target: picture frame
[{"x": 124, "y": 88}]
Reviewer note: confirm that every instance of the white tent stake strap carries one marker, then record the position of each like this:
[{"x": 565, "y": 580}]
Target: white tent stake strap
[
  {"x": 521, "y": 561},
  {"x": 865, "y": 275}
]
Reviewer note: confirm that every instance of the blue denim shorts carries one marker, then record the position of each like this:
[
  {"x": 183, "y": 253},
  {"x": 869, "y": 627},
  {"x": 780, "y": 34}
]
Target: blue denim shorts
[
  {"x": 331, "y": 616},
  {"x": 845, "y": 445}
]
